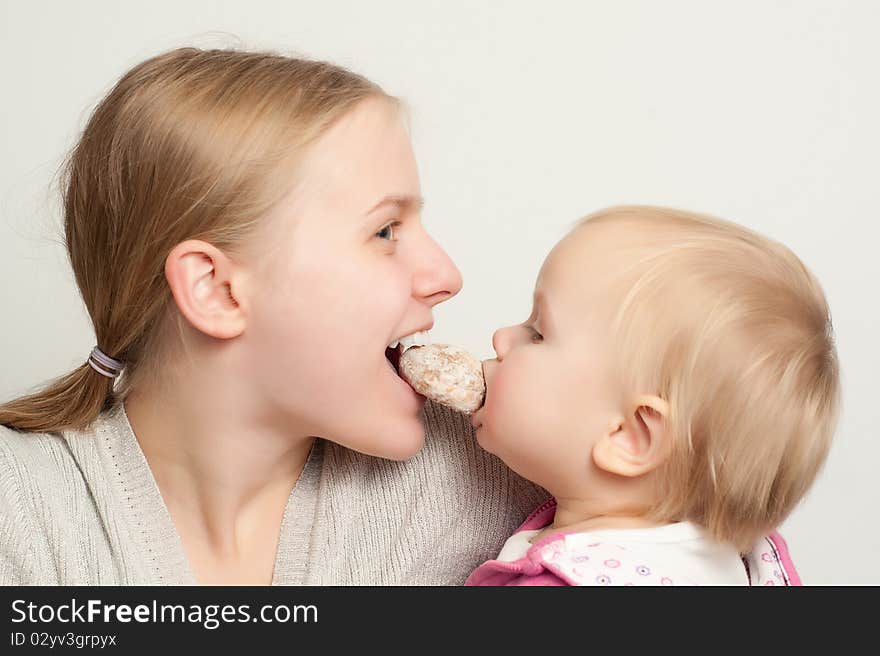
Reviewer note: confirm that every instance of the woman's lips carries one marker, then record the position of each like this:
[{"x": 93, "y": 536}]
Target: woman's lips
[{"x": 415, "y": 401}]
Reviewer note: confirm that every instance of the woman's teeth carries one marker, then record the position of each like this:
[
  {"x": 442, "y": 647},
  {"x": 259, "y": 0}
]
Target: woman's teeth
[{"x": 416, "y": 339}]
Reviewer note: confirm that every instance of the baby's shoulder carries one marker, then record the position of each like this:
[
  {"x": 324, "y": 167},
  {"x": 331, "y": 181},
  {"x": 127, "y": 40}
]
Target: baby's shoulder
[{"x": 580, "y": 559}]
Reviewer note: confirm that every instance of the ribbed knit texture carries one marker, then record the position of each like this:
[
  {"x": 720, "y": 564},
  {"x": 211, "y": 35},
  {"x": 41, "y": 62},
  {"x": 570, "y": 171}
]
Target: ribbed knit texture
[{"x": 83, "y": 508}]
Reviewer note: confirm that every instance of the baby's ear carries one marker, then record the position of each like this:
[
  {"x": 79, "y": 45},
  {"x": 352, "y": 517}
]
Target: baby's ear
[{"x": 637, "y": 443}]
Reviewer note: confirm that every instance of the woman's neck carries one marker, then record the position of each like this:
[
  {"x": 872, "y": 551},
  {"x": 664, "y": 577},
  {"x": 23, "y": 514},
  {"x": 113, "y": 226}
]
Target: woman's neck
[{"x": 224, "y": 474}]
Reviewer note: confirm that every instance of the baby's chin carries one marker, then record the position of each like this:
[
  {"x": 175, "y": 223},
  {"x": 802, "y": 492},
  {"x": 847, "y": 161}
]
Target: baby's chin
[
  {"x": 484, "y": 438},
  {"x": 489, "y": 442}
]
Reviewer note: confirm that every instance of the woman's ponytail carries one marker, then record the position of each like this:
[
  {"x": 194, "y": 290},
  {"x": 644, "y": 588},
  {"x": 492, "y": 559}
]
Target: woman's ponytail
[{"x": 72, "y": 401}]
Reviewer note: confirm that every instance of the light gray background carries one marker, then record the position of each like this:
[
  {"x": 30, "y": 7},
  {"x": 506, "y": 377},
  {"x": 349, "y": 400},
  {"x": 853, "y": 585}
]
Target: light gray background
[{"x": 525, "y": 117}]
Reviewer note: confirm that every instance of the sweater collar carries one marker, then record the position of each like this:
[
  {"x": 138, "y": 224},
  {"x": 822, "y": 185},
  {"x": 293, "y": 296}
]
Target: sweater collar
[{"x": 148, "y": 522}]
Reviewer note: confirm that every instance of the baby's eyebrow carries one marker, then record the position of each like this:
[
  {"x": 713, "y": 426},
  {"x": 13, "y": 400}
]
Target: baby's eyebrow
[
  {"x": 405, "y": 202},
  {"x": 543, "y": 308}
]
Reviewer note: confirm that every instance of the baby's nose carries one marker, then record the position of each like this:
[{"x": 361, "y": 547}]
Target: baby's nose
[{"x": 501, "y": 341}]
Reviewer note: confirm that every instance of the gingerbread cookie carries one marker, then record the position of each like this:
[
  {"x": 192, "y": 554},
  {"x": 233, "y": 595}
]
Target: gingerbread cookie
[{"x": 446, "y": 374}]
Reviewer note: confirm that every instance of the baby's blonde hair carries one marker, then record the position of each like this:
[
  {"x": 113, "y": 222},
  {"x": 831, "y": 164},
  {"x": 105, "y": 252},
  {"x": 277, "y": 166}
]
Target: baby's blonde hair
[{"x": 733, "y": 331}]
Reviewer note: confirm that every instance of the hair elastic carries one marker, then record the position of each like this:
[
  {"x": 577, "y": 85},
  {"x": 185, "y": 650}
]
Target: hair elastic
[{"x": 104, "y": 364}]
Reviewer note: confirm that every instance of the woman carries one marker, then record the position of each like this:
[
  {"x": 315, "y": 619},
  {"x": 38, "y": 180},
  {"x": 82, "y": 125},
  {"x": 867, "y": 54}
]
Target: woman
[{"x": 244, "y": 230}]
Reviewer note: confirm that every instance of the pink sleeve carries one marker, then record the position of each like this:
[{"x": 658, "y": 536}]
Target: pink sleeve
[{"x": 544, "y": 578}]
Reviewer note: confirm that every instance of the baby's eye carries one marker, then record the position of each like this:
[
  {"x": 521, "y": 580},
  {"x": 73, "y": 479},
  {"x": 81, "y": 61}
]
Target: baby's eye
[
  {"x": 535, "y": 335},
  {"x": 389, "y": 231}
]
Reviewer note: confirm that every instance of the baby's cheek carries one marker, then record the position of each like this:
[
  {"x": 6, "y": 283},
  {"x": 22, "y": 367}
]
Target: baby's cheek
[{"x": 504, "y": 401}]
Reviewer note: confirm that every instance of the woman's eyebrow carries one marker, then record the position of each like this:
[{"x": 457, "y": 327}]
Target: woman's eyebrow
[{"x": 405, "y": 202}]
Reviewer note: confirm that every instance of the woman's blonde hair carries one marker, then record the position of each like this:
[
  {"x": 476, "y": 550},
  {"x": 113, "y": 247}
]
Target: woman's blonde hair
[
  {"x": 190, "y": 144},
  {"x": 733, "y": 331}
]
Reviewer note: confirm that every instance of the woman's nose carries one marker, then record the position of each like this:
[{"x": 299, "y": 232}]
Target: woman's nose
[
  {"x": 437, "y": 279},
  {"x": 501, "y": 341}
]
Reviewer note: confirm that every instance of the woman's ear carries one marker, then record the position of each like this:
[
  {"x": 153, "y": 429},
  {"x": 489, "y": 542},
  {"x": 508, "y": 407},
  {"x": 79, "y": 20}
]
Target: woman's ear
[
  {"x": 202, "y": 279},
  {"x": 637, "y": 443}
]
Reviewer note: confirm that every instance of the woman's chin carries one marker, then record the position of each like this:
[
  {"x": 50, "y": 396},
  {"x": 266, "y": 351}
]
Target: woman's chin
[
  {"x": 392, "y": 435},
  {"x": 404, "y": 428},
  {"x": 396, "y": 442},
  {"x": 387, "y": 423},
  {"x": 406, "y": 450}
]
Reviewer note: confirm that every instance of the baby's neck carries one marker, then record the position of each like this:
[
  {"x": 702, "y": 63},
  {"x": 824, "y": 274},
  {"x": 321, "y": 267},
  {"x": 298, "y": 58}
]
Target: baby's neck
[{"x": 570, "y": 518}]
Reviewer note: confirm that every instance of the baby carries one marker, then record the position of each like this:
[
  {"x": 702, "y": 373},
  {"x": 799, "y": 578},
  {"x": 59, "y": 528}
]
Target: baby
[{"x": 675, "y": 389}]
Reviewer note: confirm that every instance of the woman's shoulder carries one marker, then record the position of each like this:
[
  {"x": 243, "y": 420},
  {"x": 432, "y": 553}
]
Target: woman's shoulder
[
  {"x": 50, "y": 526},
  {"x": 41, "y": 457},
  {"x": 37, "y": 476},
  {"x": 40, "y": 478}
]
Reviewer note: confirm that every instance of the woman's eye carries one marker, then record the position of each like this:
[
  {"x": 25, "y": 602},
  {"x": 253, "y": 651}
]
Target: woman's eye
[
  {"x": 535, "y": 335},
  {"x": 389, "y": 232}
]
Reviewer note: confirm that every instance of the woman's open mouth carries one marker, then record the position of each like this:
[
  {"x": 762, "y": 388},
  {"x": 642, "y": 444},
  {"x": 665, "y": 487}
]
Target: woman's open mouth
[
  {"x": 398, "y": 346},
  {"x": 393, "y": 356}
]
